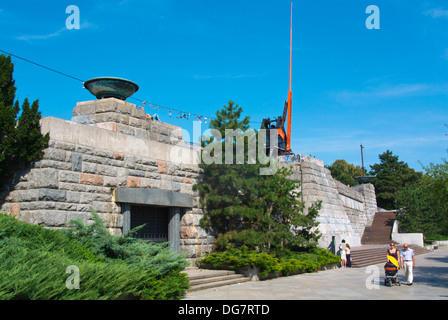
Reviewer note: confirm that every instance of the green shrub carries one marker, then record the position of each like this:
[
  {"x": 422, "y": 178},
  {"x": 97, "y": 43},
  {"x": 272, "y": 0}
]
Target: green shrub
[
  {"x": 36, "y": 237},
  {"x": 146, "y": 255},
  {"x": 284, "y": 262},
  {"x": 33, "y": 263},
  {"x": 242, "y": 258}
]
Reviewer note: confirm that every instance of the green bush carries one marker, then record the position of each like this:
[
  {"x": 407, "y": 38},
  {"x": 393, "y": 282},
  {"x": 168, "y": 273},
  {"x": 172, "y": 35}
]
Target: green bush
[
  {"x": 146, "y": 255},
  {"x": 242, "y": 258},
  {"x": 284, "y": 262},
  {"x": 33, "y": 263}
]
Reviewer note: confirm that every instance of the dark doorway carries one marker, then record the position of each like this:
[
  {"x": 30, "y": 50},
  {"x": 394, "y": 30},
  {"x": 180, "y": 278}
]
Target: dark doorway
[{"x": 155, "y": 219}]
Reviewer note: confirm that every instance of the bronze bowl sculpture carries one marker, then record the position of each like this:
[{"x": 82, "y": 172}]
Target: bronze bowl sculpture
[{"x": 110, "y": 87}]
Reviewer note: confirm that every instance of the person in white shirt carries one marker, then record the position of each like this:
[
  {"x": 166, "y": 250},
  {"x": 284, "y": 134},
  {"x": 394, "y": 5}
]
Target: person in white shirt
[
  {"x": 342, "y": 252},
  {"x": 407, "y": 259}
]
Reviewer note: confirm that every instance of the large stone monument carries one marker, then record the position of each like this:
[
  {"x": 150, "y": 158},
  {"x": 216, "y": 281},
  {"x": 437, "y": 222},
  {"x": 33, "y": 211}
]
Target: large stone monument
[
  {"x": 135, "y": 170},
  {"x": 112, "y": 158}
]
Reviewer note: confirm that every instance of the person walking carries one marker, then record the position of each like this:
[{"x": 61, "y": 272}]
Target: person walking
[
  {"x": 393, "y": 252},
  {"x": 407, "y": 259}
]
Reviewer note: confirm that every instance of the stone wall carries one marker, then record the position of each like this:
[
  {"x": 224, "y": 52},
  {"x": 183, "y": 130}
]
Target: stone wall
[
  {"x": 109, "y": 145},
  {"x": 345, "y": 211},
  {"x": 123, "y": 117}
]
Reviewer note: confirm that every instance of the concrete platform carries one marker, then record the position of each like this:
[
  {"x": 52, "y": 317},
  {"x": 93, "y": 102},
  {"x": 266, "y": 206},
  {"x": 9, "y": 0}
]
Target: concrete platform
[{"x": 430, "y": 283}]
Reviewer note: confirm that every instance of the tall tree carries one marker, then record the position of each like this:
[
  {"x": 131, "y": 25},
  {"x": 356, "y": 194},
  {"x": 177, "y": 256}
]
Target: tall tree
[
  {"x": 20, "y": 139},
  {"x": 242, "y": 207},
  {"x": 345, "y": 172},
  {"x": 391, "y": 176},
  {"x": 424, "y": 205},
  {"x": 229, "y": 118},
  {"x": 7, "y": 83}
]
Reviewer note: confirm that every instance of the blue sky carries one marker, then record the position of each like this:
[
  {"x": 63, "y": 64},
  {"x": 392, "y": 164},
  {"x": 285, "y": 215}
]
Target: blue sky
[{"x": 385, "y": 89}]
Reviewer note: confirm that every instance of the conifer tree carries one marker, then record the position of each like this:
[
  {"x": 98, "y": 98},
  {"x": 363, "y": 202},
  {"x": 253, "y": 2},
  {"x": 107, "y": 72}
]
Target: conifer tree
[
  {"x": 20, "y": 139},
  {"x": 244, "y": 208},
  {"x": 391, "y": 176}
]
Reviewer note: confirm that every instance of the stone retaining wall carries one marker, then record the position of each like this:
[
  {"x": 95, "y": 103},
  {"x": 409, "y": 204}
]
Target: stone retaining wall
[{"x": 345, "y": 211}]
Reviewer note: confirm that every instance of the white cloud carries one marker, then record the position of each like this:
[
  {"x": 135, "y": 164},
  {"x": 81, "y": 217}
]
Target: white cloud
[
  {"x": 31, "y": 37},
  {"x": 385, "y": 91},
  {"x": 437, "y": 13}
]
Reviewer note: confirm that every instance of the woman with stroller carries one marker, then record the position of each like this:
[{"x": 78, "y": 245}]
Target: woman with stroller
[
  {"x": 392, "y": 266},
  {"x": 393, "y": 252}
]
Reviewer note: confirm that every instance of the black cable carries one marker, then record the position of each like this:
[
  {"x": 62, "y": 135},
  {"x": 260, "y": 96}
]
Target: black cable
[
  {"x": 37, "y": 64},
  {"x": 69, "y": 76}
]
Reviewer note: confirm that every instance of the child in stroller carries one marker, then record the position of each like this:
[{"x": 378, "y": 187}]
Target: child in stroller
[{"x": 391, "y": 271}]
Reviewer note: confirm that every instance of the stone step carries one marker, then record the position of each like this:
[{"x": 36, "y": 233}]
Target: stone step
[
  {"x": 383, "y": 219},
  {"x": 377, "y": 235},
  {"x": 362, "y": 261},
  {"x": 219, "y": 283},
  {"x": 196, "y": 282},
  {"x": 380, "y": 230},
  {"x": 201, "y": 279},
  {"x": 196, "y": 273},
  {"x": 362, "y": 257}
]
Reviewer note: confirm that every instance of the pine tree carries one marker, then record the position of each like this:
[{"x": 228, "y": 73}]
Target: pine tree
[
  {"x": 229, "y": 118},
  {"x": 21, "y": 142},
  {"x": 244, "y": 208},
  {"x": 7, "y": 83},
  {"x": 391, "y": 175}
]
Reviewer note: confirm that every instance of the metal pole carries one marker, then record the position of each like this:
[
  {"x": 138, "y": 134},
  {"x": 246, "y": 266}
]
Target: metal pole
[
  {"x": 362, "y": 160},
  {"x": 288, "y": 134}
]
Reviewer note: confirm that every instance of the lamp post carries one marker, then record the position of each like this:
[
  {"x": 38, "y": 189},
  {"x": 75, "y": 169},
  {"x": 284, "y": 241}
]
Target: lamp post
[{"x": 362, "y": 160}]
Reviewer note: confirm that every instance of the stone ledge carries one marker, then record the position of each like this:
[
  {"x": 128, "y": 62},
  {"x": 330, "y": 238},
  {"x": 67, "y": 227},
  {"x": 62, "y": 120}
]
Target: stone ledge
[
  {"x": 155, "y": 197},
  {"x": 89, "y": 138}
]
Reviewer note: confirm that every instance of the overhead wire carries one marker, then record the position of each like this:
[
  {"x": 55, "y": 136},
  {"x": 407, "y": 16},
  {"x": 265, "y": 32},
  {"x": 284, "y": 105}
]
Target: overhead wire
[
  {"x": 42, "y": 66},
  {"x": 184, "y": 114}
]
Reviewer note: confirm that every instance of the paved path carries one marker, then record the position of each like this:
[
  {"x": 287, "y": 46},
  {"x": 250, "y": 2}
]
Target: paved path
[{"x": 430, "y": 282}]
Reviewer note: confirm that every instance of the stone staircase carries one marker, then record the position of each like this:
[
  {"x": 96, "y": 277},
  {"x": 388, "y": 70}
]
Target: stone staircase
[
  {"x": 374, "y": 254},
  {"x": 201, "y": 279},
  {"x": 380, "y": 230},
  {"x": 376, "y": 240}
]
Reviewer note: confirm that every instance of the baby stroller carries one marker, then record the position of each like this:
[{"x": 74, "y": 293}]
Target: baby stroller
[{"x": 391, "y": 271}]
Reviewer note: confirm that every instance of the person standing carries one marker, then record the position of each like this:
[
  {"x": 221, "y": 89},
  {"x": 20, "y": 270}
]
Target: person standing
[
  {"x": 407, "y": 259},
  {"x": 342, "y": 252},
  {"x": 348, "y": 255}
]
